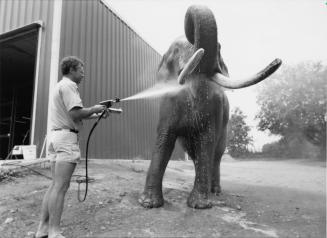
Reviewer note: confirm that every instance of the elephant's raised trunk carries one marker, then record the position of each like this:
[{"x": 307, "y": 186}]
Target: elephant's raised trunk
[
  {"x": 242, "y": 83},
  {"x": 201, "y": 31}
]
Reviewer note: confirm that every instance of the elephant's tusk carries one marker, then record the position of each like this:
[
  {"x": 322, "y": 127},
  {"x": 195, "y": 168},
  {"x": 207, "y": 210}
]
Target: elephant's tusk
[
  {"x": 190, "y": 65},
  {"x": 235, "y": 84}
]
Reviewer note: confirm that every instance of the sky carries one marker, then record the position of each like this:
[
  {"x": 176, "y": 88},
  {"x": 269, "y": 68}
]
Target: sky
[{"x": 252, "y": 33}]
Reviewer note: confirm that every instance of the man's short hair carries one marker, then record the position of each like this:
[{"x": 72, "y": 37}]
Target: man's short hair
[{"x": 70, "y": 62}]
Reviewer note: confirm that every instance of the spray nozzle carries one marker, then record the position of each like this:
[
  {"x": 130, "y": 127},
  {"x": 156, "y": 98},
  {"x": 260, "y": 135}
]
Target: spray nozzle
[{"x": 108, "y": 103}]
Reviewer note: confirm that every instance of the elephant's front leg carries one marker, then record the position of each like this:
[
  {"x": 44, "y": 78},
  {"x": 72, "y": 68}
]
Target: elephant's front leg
[
  {"x": 199, "y": 197},
  {"x": 152, "y": 195},
  {"x": 219, "y": 151}
]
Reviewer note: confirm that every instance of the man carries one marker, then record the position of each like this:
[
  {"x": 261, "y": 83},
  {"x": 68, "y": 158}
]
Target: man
[{"x": 66, "y": 115}]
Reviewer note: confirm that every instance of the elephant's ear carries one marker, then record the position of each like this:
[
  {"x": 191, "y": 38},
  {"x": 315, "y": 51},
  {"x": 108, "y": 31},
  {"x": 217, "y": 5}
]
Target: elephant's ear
[
  {"x": 221, "y": 66},
  {"x": 167, "y": 67}
]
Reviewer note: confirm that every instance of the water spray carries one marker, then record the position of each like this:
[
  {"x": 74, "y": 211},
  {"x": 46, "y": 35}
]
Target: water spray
[
  {"x": 171, "y": 87},
  {"x": 158, "y": 90}
]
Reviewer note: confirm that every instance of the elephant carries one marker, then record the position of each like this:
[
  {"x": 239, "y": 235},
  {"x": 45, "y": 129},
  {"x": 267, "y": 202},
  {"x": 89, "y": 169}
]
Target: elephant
[{"x": 197, "y": 115}]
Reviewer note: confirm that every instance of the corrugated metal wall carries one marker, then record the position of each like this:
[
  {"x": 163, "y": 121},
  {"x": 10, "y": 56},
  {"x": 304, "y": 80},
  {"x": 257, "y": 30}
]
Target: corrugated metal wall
[
  {"x": 15, "y": 14},
  {"x": 117, "y": 63}
]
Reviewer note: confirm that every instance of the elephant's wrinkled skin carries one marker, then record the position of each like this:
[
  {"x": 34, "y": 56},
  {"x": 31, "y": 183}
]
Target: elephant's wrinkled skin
[{"x": 197, "y": 115}]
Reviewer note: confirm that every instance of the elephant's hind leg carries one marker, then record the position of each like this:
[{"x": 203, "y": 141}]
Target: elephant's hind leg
[
  {"x": 152, "y": 195},
  {"x": 199, "y": 197}
]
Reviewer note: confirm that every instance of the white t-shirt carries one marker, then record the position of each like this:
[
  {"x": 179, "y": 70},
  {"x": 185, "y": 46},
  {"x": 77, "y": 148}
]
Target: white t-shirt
[{"x": 65, "y": 97}]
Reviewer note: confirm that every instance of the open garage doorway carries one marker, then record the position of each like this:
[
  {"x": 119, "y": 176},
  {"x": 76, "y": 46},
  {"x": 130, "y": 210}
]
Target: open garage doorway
[{"x": 18, "y": 51}]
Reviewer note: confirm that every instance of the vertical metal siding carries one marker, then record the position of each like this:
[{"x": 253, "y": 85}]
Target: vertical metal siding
[
  {"x": 15, "y": 14},
  {"x": 117, "y": 63}
]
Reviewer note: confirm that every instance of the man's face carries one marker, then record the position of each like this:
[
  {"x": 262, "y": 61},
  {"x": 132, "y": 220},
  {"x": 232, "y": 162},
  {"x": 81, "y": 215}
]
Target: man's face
[{"x": 78, "y": 74}]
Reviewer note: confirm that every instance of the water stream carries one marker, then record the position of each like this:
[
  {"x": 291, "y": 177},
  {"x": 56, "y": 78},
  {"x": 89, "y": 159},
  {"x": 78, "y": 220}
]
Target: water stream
[{"x": 158, "y": 90}]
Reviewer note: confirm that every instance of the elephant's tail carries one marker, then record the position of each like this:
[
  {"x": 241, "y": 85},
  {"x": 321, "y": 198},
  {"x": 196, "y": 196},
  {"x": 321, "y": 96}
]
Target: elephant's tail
[{"x": 201, "y": 31}]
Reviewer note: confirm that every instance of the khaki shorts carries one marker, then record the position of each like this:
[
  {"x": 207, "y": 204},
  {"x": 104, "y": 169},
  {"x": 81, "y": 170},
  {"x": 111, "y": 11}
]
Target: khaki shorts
[{"x": 63, "y": 146}]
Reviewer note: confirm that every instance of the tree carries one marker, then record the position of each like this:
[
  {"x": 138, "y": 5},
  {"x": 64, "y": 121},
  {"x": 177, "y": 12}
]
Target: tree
[
  {"x": 238, "y": 134},
  {"x": 293, "y": 104}
]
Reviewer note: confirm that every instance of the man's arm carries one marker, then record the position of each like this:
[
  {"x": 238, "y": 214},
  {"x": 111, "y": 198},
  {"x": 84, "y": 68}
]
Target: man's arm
[{"x": 78, "y": 113}]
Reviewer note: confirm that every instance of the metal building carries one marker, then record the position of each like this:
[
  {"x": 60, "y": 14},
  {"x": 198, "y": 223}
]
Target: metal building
[{"x": 35, "y": 35}]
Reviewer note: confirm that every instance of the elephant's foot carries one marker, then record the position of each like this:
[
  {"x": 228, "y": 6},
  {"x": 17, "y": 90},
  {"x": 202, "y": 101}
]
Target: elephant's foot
[
  {"x": 216, "y": 189},
  {"x": 198, "y": 200},
  {"x": 151, "y": 200}
]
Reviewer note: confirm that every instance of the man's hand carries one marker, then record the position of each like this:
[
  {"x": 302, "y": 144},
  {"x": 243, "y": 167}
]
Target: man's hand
[
  {"x": 106, "y": 114},
  {"x": 98, "y": 108},
  {"x": 98, "y": 114}
]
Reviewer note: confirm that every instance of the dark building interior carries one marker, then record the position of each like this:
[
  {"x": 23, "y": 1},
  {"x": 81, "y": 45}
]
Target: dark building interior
[{"x": 17, "y": 72}]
